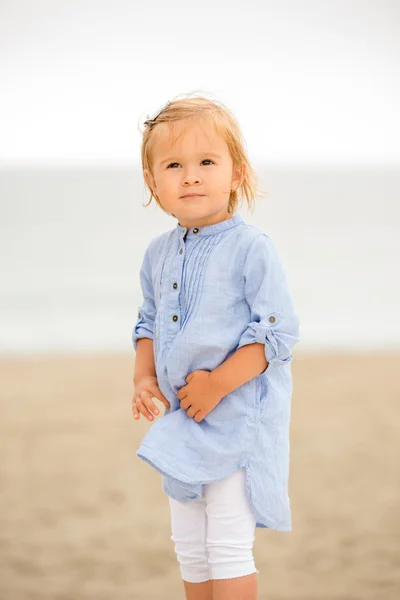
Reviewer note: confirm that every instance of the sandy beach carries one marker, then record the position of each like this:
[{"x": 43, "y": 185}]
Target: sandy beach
[{"x": 81, "y": 517}]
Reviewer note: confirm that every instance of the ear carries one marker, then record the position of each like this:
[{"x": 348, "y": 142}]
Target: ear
[
  {"x": 149, "y": 180},
  {"x": 238, "y": 176}
]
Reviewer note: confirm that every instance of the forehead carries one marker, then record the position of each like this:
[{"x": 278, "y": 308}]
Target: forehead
[{"x": 183, "y": 136}]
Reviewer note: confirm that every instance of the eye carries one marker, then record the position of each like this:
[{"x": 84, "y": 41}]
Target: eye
[{"x": 204, "y": 160}]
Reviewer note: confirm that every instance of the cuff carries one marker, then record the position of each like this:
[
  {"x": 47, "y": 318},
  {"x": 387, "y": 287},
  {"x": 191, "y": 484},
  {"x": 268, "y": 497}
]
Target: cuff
[
  {"x": 144, "y": 328},
  {"x": 266, "y": 332}
]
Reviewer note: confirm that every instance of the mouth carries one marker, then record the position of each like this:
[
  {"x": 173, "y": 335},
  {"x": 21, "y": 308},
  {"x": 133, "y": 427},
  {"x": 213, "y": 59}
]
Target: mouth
[{"x": 193, "y": 196}]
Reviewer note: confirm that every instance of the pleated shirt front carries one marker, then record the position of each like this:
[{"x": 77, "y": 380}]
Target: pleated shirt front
[{"x": 207, "y": 291}]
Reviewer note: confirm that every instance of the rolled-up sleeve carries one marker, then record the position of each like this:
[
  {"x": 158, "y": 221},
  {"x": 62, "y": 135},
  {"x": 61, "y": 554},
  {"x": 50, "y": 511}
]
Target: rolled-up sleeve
[
  {"x": 273, "y": 322},
  {"x": 144, "y": 327}
]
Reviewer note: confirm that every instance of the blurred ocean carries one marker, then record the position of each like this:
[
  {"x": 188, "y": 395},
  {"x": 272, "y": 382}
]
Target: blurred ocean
[{"x": 72, "y": 242}]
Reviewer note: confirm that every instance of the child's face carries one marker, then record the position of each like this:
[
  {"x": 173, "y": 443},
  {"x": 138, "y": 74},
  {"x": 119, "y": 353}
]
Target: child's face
[{"x": 190, "y": 166}]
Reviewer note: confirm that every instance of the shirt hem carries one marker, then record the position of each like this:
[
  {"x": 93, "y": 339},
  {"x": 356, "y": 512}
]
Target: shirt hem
[{"x": 261, "y": 522}]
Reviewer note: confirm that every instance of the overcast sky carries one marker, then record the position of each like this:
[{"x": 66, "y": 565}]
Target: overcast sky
[{"x": 311, "y": 82}]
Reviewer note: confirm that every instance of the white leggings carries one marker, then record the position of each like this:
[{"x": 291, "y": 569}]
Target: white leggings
[{"x": 214, "y": 534}]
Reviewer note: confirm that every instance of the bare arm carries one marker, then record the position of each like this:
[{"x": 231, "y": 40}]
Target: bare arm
[
  {"x": 144, "y": 361},
  {"x": 247, "y": 362}
]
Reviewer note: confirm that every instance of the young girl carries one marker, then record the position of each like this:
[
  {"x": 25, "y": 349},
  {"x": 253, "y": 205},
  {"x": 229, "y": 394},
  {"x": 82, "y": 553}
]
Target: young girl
[{"x": 213, "y": 343}]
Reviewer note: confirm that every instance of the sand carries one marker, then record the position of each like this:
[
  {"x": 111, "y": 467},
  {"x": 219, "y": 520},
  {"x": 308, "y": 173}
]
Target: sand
[{"x": 81, "y": 517}]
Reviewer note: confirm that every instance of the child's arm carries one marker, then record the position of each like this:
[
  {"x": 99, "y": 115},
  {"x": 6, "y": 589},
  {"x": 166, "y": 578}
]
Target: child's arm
[
  {"x": 247, "y": 362},
  {"x": 144, "y": 360},
  {"x": 144, "y": 327},
  {"x": 145, "y": 376},
  {"x": 145, "y": 382},
  {"x": 273, "y": 329}
]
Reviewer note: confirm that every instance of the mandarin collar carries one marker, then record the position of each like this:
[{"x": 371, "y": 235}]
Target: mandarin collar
[{"x": 210, "y": 229}]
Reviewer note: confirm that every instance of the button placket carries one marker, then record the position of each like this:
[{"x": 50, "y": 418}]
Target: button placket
[
  {"x": 195, "y": 230},
  {"x": 175, "y": 317}
]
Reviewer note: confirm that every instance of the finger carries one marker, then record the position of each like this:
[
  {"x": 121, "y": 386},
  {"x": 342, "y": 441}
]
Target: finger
[
  {"x": 135, "y": 411},
  {"x": 134, "y": 408},
  {"x": 141, "y": 403},
  {"x": 149, "y": 405},
  {"x": 157, "y": 393},
  {"x": 199, "y": 416},
  {"x": 185, "y": 403},
  {"x": 191, "y": 411},
  {"x": 148, "y": 401}
]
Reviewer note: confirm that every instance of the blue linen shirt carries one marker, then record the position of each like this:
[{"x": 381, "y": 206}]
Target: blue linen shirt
[{"x": 207, "y": 291}]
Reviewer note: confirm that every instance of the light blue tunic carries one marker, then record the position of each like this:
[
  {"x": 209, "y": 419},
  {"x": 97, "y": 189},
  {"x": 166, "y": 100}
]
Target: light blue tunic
[{"x": 204, "y": 296}]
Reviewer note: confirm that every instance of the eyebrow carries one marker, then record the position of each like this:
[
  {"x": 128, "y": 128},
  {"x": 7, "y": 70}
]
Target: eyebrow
[{"x": 200, "y": 154}]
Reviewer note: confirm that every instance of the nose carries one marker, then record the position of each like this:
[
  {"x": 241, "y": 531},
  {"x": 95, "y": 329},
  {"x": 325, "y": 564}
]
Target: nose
[{"x": 191, "y": 180}]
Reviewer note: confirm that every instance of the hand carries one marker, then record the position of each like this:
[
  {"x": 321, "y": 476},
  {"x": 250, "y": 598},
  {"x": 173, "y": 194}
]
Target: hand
[
  {"x": 142, "y": 401},
  {"x": 201, "y": 394}
]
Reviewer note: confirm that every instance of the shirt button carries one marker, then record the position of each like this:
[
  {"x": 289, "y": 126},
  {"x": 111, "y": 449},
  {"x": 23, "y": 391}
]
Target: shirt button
[
  {"x": 175, "y": 286},
  {"x": 139, "y": 315},
  {"x": 175, "y": 318},
  {"x": 180, "y": 251},
  {"x": 272, "y": 319},
  {"x": 195, "y": 230}
]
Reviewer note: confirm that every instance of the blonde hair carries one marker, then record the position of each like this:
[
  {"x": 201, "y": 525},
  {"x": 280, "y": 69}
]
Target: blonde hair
[{"x": 208, "y": 112}]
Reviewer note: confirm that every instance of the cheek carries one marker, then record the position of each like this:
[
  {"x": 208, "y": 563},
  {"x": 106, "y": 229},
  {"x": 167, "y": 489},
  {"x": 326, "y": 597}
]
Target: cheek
[
  {"x": 166, "y": 183},
  {"x": 222, "y": 180}
]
